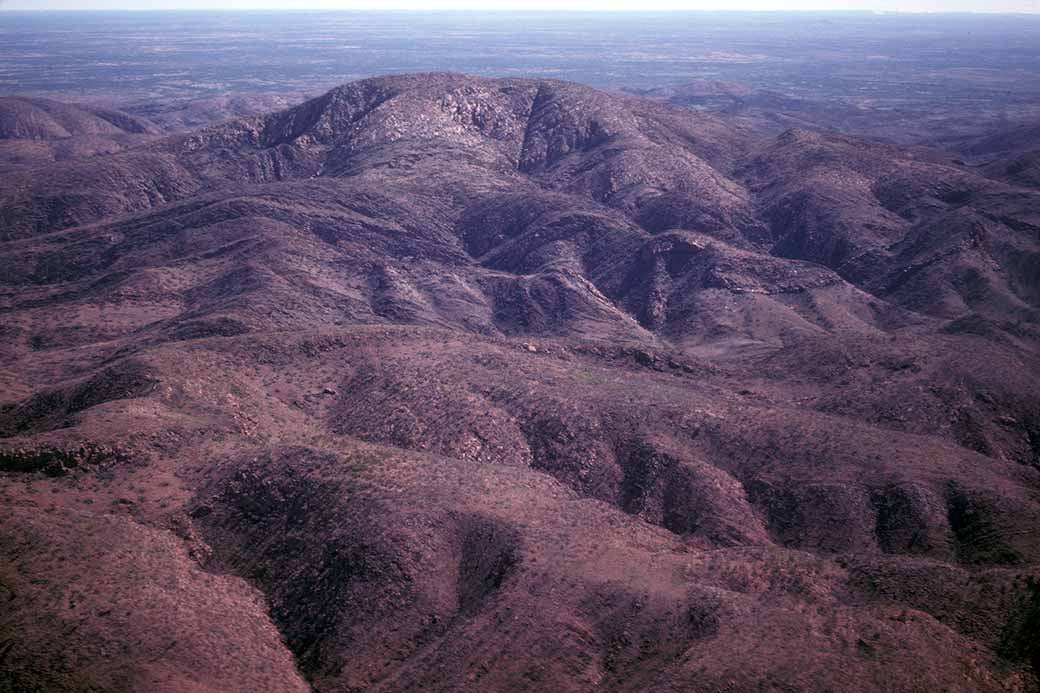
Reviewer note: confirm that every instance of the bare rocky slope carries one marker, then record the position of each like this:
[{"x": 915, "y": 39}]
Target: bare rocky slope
[{"x": 438, "y": 382}]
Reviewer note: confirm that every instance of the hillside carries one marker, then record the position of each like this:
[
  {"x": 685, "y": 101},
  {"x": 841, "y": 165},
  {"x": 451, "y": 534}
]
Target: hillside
[
  {"x": 34, "y": 131},
  {"x": 453, "y": 383}
]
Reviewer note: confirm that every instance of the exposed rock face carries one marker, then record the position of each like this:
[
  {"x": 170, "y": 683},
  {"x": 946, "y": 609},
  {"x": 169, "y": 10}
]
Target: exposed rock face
[{"x": 469, "y": 384}]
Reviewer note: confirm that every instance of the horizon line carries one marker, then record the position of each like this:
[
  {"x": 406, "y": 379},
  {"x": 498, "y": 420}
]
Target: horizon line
[{"x": 458, "y": 10}]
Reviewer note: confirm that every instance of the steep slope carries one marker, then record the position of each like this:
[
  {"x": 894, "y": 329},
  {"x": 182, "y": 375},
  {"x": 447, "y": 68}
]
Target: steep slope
[
  {"x": 194, "y": 113},
  {"x": 35, "y": 131},
  {"x": 1009, "y": 154},
  {"x": 43, "y": 119},
  {"x": 466, "y": 384},
  {"x": 934, "y": 238},
  {"x": 1018, "y": 169},
  {"x": 414, "y": 125}
]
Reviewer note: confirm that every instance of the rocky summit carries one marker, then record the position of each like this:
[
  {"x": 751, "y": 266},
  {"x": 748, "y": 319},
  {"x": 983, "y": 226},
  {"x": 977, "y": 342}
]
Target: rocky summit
[{"x": 437, "y": 382}]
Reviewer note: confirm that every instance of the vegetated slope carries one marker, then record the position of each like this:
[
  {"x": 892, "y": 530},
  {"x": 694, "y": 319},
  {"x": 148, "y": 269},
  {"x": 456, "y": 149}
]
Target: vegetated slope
[
  {"x": 193, "y": 113},
  {"x": 513, "y": 384},
  {"x": 1009, "y": 154},
  {"x": 34, "y": 131},
  {"x": 42, "y": 119}
]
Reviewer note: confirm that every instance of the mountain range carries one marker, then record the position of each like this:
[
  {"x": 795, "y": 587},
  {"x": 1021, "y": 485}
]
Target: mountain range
[{"x": 455, "y": 383}]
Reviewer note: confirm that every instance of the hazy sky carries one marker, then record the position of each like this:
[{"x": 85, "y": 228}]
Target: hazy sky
[{"x": 612, "y": 5}]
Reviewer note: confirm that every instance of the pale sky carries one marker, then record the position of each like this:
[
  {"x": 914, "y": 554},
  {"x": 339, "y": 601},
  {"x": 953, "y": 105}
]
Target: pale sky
[{"x": 1032, "y": 6}]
